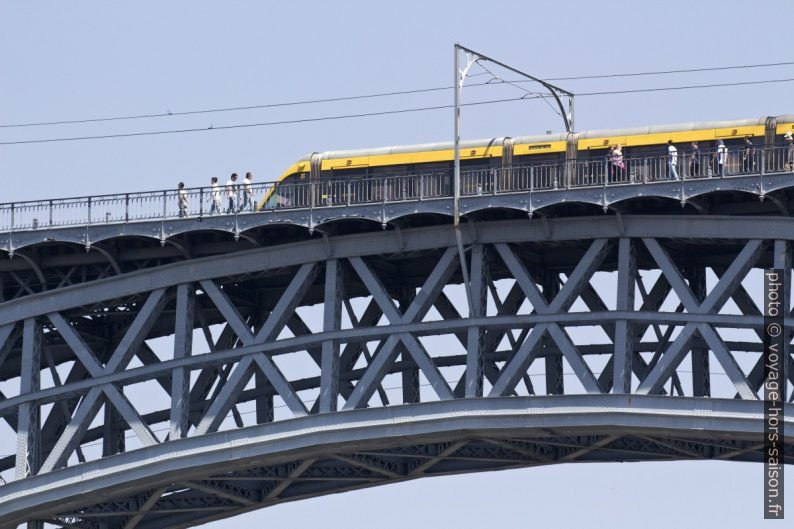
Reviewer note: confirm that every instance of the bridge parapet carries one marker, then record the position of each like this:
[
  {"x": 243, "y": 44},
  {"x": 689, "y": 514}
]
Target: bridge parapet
[{"x": 525, "y": 187}]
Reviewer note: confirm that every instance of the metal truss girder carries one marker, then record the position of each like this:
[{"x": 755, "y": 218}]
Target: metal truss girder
[
  {"x": 712, "y": 303},
  {"x": 416, "y": 311},
  {"x": 518, "y": 365}
]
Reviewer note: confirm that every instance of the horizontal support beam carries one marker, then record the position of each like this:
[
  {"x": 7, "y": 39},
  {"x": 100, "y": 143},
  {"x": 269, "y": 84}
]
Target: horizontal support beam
[
  {"x": 429, "y": 328},
  {"x": 385, "y": 242}
]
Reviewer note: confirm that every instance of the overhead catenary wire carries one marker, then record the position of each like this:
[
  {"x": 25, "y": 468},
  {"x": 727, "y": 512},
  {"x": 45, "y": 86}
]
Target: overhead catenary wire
[
  {"x": 369, "y": 114},
  {"x": 168, "y": 113}
]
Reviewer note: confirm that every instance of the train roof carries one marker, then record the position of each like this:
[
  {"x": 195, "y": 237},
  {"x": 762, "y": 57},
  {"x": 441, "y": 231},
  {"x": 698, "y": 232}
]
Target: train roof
[{"x": 540, "y": 138}]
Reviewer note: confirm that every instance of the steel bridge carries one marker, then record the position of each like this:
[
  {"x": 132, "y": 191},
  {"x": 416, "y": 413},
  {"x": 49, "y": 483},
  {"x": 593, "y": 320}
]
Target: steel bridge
[{"x": 159, "y": 371}]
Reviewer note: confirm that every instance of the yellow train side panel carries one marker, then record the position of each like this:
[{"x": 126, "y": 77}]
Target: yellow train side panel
[
  {"x": 738, "y": 132},
  {"x": 411, "y": 158},
  {"x": 521, "y": 149},
  {"x": 783, "y": 127}
]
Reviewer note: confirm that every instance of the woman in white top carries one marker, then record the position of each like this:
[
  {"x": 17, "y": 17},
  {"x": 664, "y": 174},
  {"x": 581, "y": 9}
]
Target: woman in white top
[
  {"x": 231, "y": 193},
  {"x": 182, "y": 198},
  {"x": 215, "y": 197}
]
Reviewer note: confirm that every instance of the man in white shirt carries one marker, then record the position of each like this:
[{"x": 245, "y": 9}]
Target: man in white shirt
[
  {"x": 182, "y": 198},
  {"x": 215, "y": 197},
  {"x": 231, "y": 193},
  {"x": 248, "y": 193},
  {"x": 672, "y": 160},
  {"x": 720, "y": 158}
]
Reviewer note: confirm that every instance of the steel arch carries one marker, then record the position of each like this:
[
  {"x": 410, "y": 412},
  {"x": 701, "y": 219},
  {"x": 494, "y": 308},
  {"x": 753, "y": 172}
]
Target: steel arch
[{"x": 512, "y": 376}]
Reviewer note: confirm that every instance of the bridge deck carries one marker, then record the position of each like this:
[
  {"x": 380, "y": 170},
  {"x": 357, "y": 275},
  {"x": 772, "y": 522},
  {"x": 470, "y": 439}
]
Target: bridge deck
[{"x": 528, "y": 188}]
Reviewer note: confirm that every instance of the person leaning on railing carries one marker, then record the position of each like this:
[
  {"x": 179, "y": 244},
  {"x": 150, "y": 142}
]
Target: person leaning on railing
[
  {"x": 788, "y": 141},
  {"x": 182, "y": 198},
  {"x": 748, "y": 164},
  {"x": 694, "y": 160}
]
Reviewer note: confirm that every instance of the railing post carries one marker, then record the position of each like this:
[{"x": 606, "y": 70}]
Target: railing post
[
  {"x": 348, "y": 192},
  {"x": 495, "y": 179},
  {"x": 12, "y": 217},
  {"x": 89, "y": 211},
  {"x": 531, "y": 178},
  {"x": 126, "y": 207},
  {"x": 50, "y": 213},
  {"x": 164, "y": 203},
  {"x": 763, "y": 160},
  {"x": 421, "y": 187},
  {"x": 201, "y": 202}
]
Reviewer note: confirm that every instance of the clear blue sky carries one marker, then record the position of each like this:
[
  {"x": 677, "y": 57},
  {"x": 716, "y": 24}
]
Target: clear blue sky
[{"x": 67, "y": 60}]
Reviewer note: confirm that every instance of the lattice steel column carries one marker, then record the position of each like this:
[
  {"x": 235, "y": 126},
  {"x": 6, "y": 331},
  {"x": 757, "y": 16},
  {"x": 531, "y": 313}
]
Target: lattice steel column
[
  {"x": 701, "y": 383},
  {"x": 183, "y": 347},
  {"x": 28, "y": 425},
  {"x": 555, "y": 383},
  {"x": 113, "y": 440},
  {"x": 475, "y": 335},
  {"x": 332, "y": 318},
  {"x": 410, "y": 375},
  {"x": 624, "y": 330}
]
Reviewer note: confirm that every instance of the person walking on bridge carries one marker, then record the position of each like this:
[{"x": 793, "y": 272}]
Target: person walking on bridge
[
  {"x": 720, "y": 158},
  {"x": 672, "y": 160},
  {"x": 248, "y": 193},
  {"x": 694, "y": 160},
  {"x": 182, "y": 200},
  {"x": 215, "y": 206},
  {"x": 231, "y": 193},
  {"x": 748, "y": 164}
]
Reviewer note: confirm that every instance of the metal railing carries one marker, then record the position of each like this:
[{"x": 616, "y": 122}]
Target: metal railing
[{"x": 518, "y": 178}]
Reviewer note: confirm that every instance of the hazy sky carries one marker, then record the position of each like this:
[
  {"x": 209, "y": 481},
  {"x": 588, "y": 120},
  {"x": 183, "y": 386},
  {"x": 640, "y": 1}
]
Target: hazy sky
[{"x": 74, "y": 60}]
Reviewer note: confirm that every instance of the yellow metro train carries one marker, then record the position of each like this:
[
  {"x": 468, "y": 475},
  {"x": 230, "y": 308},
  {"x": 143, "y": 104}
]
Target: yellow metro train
[{"x": 546, "y": 148}]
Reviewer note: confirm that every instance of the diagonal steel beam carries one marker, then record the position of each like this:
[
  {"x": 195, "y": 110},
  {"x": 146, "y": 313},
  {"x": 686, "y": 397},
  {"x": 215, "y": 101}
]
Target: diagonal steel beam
[
  {"x": 361, "y": 462},
  {"x": 137, "y": 331},
  {"x": 727, "y": 361},
  {"x": 302, "y": 467},
  {"x": 145, "y": 507},
  {"x": 226, "y": 397},
  {"x": 228, "y": 310},
  {"x": 727, "y": 284},
  {"x": 280, "y": 384},
  {"x": 129, "y": 414},
  {"x": 221, "y": 493},
  {"x": 286, "y": 304},
  {"x": 448, "y": 451},
  {"x": 415, "y": 312},
  {"x": 517, "y": 366},
  {"x": 74, "y": 431}
]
